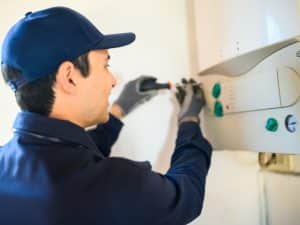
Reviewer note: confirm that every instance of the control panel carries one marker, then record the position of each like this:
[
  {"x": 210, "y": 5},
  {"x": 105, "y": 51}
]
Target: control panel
[{"x": 256, "y": 108}]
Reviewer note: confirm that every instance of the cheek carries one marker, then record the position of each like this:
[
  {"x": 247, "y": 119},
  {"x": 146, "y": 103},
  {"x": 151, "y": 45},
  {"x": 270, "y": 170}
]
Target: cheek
[
  {"x": 106, "y": 83},
  {"x": 100, "y": 92},
  {"x": 101, "y": 84}
]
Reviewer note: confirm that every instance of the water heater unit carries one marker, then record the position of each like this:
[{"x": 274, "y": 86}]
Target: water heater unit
[{"x": 253, "y": 100}]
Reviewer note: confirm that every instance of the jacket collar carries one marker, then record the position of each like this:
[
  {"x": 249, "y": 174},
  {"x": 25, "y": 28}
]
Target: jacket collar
[{"x": 54, "y": 128}]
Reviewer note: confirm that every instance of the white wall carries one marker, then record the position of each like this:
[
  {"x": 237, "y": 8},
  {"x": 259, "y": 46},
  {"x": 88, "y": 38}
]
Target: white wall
[
  {"x": 282, "y": 198},
  {"x": 227, "y": 28}
]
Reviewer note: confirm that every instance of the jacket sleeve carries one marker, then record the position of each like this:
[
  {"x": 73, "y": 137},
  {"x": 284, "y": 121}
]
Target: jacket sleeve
[
  {"x": 175, "y": 198},
  {"x": 105, "y": 135},
  {"x": 189, "y": 167}
]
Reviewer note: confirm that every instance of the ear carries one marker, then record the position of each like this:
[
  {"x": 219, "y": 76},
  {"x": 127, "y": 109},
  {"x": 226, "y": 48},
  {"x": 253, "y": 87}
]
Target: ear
[{"x": 66, "y": 78}]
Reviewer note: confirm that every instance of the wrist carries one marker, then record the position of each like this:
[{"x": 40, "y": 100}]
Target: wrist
[
  {"x": 194, "y": 119},
  {"x": 117, "y": 111}
]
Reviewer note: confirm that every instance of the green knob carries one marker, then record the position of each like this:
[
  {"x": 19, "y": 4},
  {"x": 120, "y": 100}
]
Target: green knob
[
  {"x": 272, "y": 125},
  {"x": 218, "y": 110},
  {"x": 216, "y": 91}
]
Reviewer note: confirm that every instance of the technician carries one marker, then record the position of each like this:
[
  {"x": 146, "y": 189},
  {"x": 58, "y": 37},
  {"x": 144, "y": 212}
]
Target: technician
[{"x": 53, "y": 171}]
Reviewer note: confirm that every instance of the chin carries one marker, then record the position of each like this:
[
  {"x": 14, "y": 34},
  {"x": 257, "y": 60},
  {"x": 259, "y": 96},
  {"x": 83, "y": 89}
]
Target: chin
[
  {"x": 107, "y": 118},
  {"x": 104, "y": 118}
]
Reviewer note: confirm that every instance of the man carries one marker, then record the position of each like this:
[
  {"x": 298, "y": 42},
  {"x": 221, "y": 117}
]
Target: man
[{"x": 54, "y": 172}]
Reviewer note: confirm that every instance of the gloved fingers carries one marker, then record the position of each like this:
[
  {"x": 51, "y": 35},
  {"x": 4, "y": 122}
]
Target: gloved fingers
[
  {"x": 193, "y": 100},
  {"x": 180, "y": 89},
  {"x": 141, "y": 79},
  {"x": 189, "y": 89},
  {"x": 188, "y": 98},
  {"x": 184, "y": 91},
  {"x": 180, "y": 94},
  {"x": 192, "y": 81},
  {"x": 199, "y": 93},
  {"x": 179, "y": 98},
  {"x": 196, "y": 89},
  {"x": 184, "y": 81},
  {"x": 145, "y": 80},
  {"x": 146, "y": 77},
  {"x": 148, "y": 94}
]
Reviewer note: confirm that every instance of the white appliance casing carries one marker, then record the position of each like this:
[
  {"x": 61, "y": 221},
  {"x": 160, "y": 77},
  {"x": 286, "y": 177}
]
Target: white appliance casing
[{"x": 250, "y": 95}]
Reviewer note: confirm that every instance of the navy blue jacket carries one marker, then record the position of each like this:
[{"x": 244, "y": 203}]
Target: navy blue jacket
[{"x": 53, "y": 172}]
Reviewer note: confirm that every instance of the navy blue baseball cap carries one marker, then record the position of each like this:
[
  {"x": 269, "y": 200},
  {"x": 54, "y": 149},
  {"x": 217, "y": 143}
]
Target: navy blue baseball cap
[{"x": 38, "y": 43}]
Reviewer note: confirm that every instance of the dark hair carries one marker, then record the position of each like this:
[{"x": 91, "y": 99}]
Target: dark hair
[{"x": 39, "y": 96}]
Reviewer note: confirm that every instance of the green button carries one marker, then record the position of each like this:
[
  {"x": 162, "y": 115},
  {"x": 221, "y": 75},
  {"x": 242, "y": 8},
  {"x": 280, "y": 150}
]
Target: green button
[
  {"x": 216, "y": 91},
  {"x": 218, "y": 110},
  {"x": 272, "y": 125}
]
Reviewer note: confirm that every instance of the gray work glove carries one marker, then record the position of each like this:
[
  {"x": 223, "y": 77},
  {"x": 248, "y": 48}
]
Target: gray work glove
[
  {"x": 191, "y": 99},
  {"x": 131, "y": 96}
]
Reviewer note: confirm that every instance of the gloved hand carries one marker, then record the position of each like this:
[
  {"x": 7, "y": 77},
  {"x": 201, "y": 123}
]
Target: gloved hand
[
  {"x": 131, "y": 96},
  {"x": 191, "y": 99}
]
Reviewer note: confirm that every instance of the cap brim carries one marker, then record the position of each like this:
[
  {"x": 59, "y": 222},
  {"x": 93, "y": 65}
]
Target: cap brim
[{"x": 115, "y": 40}]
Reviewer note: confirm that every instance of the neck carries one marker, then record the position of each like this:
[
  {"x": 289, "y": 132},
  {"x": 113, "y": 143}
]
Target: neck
[
  {"x": 65, "y": 111},
  {"x": 62, "y": 116}
]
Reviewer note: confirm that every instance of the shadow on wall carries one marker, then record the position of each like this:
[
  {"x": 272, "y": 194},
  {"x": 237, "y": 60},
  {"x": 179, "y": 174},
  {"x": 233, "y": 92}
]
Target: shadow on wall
[
  {"x": 164, "y": 158},
  {"x": 191, "y": 37}
]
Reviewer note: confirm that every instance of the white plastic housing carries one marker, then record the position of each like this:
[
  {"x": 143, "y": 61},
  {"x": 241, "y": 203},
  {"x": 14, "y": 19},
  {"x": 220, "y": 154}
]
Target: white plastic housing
[{"x": 253, "y": 91}]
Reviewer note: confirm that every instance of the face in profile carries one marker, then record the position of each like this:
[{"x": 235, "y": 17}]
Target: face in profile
[{"x": 97, "y": 87}]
